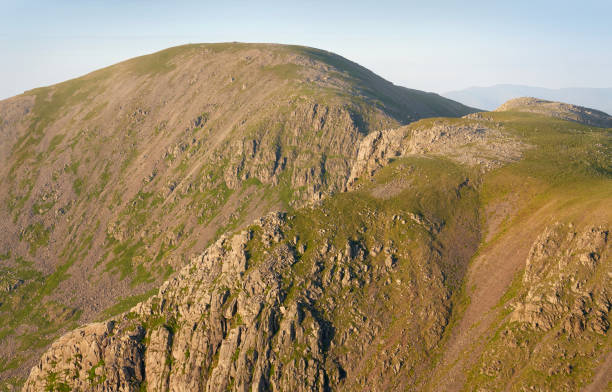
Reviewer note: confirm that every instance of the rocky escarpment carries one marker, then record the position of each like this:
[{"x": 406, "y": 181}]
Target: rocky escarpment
[
  {"x": 560, "y": 110},
  {"x": 302, "y": 149},
  {"x": 558, "y": 325},
  {"x": 469, "y": 142},
  {"x": 210, "y": 328},
  {"x": 282, "y": 306},
  {"x": 213, "y": 327}
]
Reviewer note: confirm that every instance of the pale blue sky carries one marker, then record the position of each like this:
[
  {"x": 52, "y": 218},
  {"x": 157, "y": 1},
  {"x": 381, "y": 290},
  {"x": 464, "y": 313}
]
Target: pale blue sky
[{"x": 430, "y": 45}]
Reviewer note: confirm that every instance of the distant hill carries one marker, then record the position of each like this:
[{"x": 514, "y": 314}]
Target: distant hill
[
  {"x": 560, "y": 110},
  {"x": 489, "y": 98}
]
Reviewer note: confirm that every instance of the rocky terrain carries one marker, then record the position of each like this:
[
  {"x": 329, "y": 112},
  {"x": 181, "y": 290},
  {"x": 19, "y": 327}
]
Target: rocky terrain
[
  {"x": 469, "y": 142},
  {"x": 559, "y": 110},
  {"x": 326, "y": 234}
]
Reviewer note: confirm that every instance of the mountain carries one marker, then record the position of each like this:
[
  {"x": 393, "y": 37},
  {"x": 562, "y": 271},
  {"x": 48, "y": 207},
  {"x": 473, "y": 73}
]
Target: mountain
[
  {"x": 265, "y": 217},
  {"x": 486, "y": 235},
  {"x": 113, "y": 181},
  {"x": 489, "y": 98}
]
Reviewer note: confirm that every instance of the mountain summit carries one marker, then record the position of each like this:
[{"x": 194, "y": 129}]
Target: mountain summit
[{"x": 489, "y": 98}]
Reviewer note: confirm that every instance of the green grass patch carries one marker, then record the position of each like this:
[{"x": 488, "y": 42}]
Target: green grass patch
[
  {"x": 123, "y": 255},
  {"x": 77, "y": 186},
  {"x": 36, "y": 235},
  {"x": 55, "y": 141},
  {"x": 125, "y": 304}
]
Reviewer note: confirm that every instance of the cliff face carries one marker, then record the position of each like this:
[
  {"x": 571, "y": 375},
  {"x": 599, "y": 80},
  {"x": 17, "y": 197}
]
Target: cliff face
[{"x": 466, "y": 141}]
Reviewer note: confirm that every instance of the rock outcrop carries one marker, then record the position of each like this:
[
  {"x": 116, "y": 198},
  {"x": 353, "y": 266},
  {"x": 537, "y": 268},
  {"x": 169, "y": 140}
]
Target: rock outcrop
[
  {"x": 559, "y": 320},
  {"x": 221, "y": 324},
  {"x": 469, "y": 142},
  {"x": 560, "y": 275}
]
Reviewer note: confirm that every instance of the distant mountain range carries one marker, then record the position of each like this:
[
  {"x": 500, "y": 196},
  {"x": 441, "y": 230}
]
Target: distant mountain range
[{"x": 489, "y": 98}]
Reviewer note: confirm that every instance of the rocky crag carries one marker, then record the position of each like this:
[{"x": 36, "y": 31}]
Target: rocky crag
[{"x": 467, "y": 142}]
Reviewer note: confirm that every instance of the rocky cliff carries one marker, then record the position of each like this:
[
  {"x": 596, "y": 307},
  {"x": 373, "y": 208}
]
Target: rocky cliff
[{"x": 466, "y": 141}]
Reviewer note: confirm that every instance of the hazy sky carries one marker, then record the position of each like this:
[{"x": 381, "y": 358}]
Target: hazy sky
[{"x": 429, "y": 45}]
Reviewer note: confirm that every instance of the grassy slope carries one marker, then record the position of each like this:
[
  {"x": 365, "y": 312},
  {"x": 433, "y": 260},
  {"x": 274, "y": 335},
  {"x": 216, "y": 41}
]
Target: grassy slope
[
  {"x": 565, "y": 177},
  {"x": 569, "y": 181}
]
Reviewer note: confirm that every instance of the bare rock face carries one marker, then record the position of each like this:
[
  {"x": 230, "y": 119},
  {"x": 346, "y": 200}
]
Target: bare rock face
[
  {"x": 323, "y": 142},
  {"x": 560, "y": 274},
  {"x": 92, "y": 358},
  {"x": 560, "y": 110},
  {"x": 469, "y": 142},
  {"x": 375, "y": 151},
  {"x": 214, "y": 327},
  {"x": 558, "y": 323}
]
